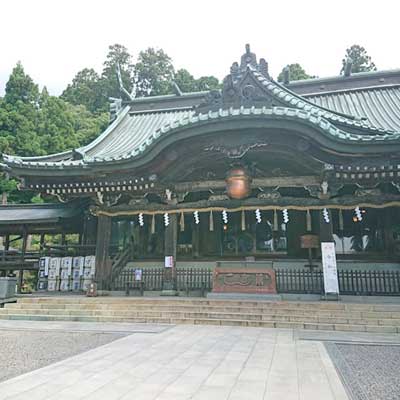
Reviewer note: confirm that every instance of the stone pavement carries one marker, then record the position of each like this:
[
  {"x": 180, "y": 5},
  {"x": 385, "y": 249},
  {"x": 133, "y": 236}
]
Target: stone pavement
[{"x": 189, "y": 362}]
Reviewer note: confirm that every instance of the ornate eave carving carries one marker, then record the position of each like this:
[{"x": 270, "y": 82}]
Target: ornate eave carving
[{"x": 240, "y": 87}]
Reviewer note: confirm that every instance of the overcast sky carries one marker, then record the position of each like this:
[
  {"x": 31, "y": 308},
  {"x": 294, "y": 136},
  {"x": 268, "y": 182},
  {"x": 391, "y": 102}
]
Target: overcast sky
[{"x": 54, "y": 39}]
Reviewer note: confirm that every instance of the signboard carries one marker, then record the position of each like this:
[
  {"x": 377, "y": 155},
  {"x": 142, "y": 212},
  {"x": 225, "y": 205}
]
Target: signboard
[
  {"x": 138, "y": 274},
  {"x": 329, "y": 266},
  {"x": 44, "y": 265},
  {"x": 66, "y": 264},
  {"x": 169, "y": 261},
  {"x": 309, "y": 242},
  {"x": 55, "y": 265},
  {"x": 78, "y": 264}
]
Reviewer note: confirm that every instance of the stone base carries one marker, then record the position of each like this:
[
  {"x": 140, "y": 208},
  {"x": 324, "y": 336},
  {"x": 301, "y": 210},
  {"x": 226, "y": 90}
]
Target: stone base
[
  {"x": 169, "y": 292},
  {"x": 7, "y": 287},
  {"x": 244, "y": 296},
  {"x": 260, "y": 281}
]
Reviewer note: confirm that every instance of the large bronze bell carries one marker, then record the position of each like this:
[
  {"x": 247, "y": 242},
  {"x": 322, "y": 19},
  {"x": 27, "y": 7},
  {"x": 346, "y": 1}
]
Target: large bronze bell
[{"x": 238, "y": 183}]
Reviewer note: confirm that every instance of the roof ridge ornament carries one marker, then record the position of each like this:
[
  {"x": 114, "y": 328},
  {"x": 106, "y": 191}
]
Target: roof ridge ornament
[
  {"x": 242, "y": 86},
  {"x": 248, "y": 58}
]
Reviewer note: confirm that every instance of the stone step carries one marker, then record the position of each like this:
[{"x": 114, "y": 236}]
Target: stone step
[
  {"x": 106, "y": 301},
  {"x": 208, "y": 321},
  {"x": 149, "y": 313},
  {"x": 202, "y": 302},
  {"x": 211, "y": 308}
]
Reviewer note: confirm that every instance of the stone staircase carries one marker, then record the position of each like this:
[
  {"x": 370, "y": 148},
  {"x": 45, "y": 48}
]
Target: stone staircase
[{"x": 378, "y": 318}]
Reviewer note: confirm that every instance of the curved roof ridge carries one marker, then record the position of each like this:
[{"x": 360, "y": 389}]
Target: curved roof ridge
[
  {"x": 303, "y": 103},
  {"x": 121, "y": 115},
  {"x": 324, "y": 125},
  {"x": 49, "y": 157}
]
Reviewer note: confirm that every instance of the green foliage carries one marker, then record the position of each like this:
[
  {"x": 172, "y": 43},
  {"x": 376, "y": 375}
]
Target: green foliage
[
  {"x": 20, "y": 87},
  {"x": 185, "y": 80},
  {"x": 154, "y": 73},
  {"x": 86, "y": 89},
  {"x": 296, "y": 73},
  {"x": 187, "y": 83},
  {"x": 117, "y": 56},
  {"x": 361, "y": 61},
  {"x": 33, "y": 124},
  {"x": 207, "y": 83}
]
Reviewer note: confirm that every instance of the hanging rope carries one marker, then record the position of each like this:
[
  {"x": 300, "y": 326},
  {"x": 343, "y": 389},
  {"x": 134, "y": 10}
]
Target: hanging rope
[
  {"x": 341, "y": 224},
  {"x": 276, "y": 227},
  {"x": 243, "y": 220},
  {"x": 246, "y": 208},
  {"x": 211, "y": 222},
  {"x": 308, "y": 221},
  {"x": 153, "y": 224},
  {"x": 182, "y": 222}
]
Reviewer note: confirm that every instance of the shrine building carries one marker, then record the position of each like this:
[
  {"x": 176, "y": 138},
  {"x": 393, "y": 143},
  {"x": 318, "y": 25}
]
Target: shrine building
[{"x": 258, "y": 171}]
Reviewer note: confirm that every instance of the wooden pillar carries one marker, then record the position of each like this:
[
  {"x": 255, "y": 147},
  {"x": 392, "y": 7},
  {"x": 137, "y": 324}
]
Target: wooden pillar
[
  {"x": 42, "y": 241},
  {"x": 103, "y": 262},
  {"x": 89, "y": 230},
  {"x": 23, "y": 251},
  {"x": 6, "y": 249},
  {"x": 196, "y": 240},
  {"x": 170, "y": 244}
]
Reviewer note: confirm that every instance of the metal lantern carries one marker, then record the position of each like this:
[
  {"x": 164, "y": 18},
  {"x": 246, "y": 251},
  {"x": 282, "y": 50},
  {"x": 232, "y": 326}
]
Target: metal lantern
[{"x": 238, "y": 183}]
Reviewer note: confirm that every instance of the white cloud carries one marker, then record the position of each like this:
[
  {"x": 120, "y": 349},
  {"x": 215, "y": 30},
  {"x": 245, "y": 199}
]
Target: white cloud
[{"x": 55, "y": 39}]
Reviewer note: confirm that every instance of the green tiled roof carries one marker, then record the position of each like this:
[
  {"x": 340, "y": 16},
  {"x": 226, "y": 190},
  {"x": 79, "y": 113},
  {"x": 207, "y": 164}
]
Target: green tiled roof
[
  {"x": 370, "y": 115},
  {"x": 380, "y": 106},
  {"x": 36, "y": 213}
]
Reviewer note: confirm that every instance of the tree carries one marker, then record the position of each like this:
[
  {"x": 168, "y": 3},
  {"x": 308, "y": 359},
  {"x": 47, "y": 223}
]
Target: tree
[
  {"x": 33, "y": 124},
  {"x": 296, "y": 73},
  {"x": 207, "y": 83},
  {"x": 117, "y": 56},
  {"x": 185, "y": 80},
  {"x": 20, "y": 86},
  {"x": 86, "y": 89},
  {"x": 361, "y": 61},
  {"x": 187, "y": 83},
  {"x": 154, "y": 73}
]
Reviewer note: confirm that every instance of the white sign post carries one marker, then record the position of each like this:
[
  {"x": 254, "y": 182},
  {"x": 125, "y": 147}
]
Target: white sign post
[
  {"x": 138, "y": 274},
  {"x": 329, "y": 266},
  {"x": 169, "y": 262}
]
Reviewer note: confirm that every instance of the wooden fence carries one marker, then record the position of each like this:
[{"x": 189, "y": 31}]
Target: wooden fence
[{"x": 351, "y": 282}]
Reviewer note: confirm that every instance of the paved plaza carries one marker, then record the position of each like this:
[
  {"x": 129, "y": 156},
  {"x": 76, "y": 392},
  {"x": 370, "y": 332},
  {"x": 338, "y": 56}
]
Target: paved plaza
[{"x": 144, "y": 362}]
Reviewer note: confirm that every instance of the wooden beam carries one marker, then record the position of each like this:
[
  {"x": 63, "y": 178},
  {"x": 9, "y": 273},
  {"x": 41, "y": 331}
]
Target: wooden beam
[{"x": 288, "y": 181}]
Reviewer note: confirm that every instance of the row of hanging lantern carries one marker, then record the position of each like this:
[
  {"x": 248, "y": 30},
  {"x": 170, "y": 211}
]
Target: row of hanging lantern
[{"x": 358, "y": 217}]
